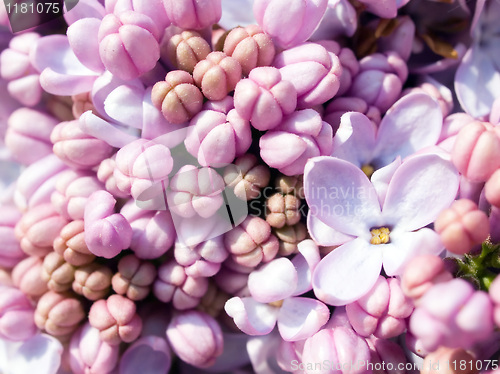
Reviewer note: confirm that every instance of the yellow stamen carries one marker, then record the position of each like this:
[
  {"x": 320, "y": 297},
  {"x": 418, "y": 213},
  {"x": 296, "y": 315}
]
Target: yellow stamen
[
  {"x": 277, "y": 304},
  {"x": 380, "y": 235},
  {"x": 368, "y": 170}
]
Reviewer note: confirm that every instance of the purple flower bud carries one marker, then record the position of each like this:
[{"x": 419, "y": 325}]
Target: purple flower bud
[
  {"x": 149, "y": 354},
  {"x": 340, "y": 346},
  {"x": 11, "y": 252},
  {"x": 89, "y": 354},
  {"x": 441, "y": 94},
  {"x": 421, "y": 274},
  {"x": 38, "y": 228},
  {"x": 250, "y": 46},
  {"x": 27, "y": 276},
  {"x": 174, "y": 285},
  {"x": 341, "y": 105},
  {"x": 58, "y": 274},
  {"x": 106, "y": 233},
  {"x": 264, "y": 98},
  {"x": 380, "y": 80},
  {"x": 217, "y": 75},
  {"x": 177, "y": 97},
  {"x": 16, "y": 315},
  {"x": 17, "y": 69},
  {"x": 141, "y": 165},
  {"x": 189, "y": 14},
  {"x": 299, "y": 137},
  {"x": 202, "y": 260},
  {"x": 247, "y": 177},
  {"x": 92, "y": 281},
  {"x": 134, "y": 278},
  {"x": 72, "y": 191},
  {"x": 215, "y": 138},
  {"x": 128, "y": 44},
  {"x": 494, "y": 292},
  {"x": 462, "y": 226},
  {"x": 452, "y": 314},
  {"x": 76, "y": 148},
  {"x": 282, "y": 210},
  {"x": 116, "y": 319},
  {"x": 183, "y": 51},
  {"x": 70, "y": 244},
  {"x": 28, "y": 135},
  {"x": 302, "y": 18},
  {"x": 232, "y": 279},
  {"x": 382, "y": 311},
  {"x": 58, "y": 314},
  {"x": 195, "y": 191},
  {"x": 151, "y": 8},
  {"x": 476, "y": 152},
  {"x": 313, "y": 71},
  {"x": 196, "y": 338}
]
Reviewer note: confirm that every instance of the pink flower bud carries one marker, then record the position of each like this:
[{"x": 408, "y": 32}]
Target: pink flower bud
[
  {"x": 70, "y": 244},
  {"x": 233, "y": 280},
  {"x": 183, "y": 51},
  {"x": 452, "y": 314},
  {"x": 282, "y": 210},
  {"x": 492, "y": 189},
  {"x": 89, "y": 354},
  {"x": 292, "y": 185},
  {"x": 73, "y": 188},
  {"x": 153, "y": 348},
  {"x": 106, "y": 233},
  {"x": 195, "y": 191},
  {"x": 28, "y": 135},
  {"x": 11, "y": 252},
  {"x": 264, "y": 98},
  {"x": 134, "y": 278},
  {"x": 217, "y": 75},
  {"x": 128, "y": 44},
  {"x": 193, "y": 14},
  {"x": 27, "y": 276},
  {"x": 105, "y": 173},
  {"x": 153, "y": 231},
  {"x": 387, "y": 354},
  {"x": 443, "y": 97},
  {"x": 92, "y": 281},
  {"x": 386, "y": 74},
  {"x": 16, "y": 315},
  {"x": 38, "y": 228},
  {"x": 247, "y": 177},
  {"x": 341, "y": 105},
  {"x": 17, "y": 69},
  {"x": 58, "y": 314},
  {"x": 453, "y": 359},
  {"x": 76, "y": 148},
  {"x": 452, "y": 125},
  {"x": 116, "y": 319},
  {"x": 196, "y": 338},
  {"x": 177, "y": 97},
  {"x": 300, "y": 136},
  {"x": 250, "y": 46},
  {"x": 58, "y": 274},
  {"x": 289, "y": 237},
  {"x": 462, "y": 226},
  {"x": 151, "y": 8},
  {"x": 213, "y": 301},
  {"x": 215, "y": 138},
  {"x": 174, "y": 285},
  {"x": 339, "y": 346},
  {"x": 382, "y": 311},
  {"x": 302, "y": 18},
  {"x": 313, "y": 71},
  {"x": 476, "y": 152},
  {"x": 251, "y": 242},
  {"x": 421, "y": 273},
  {"x": 82, "y": 103},
  {"x": 202, "y": 260}
]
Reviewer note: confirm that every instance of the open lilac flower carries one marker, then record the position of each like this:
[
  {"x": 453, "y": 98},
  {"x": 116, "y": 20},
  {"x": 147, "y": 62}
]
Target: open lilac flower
[
  {"x": 341, "y": 197},
  {"x": 275, "y": 288}
]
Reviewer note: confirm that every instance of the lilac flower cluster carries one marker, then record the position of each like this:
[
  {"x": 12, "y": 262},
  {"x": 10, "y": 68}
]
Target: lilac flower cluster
[{"x": 251, "y": 186}]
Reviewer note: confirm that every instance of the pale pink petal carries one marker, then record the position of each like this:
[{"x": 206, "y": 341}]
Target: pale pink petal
[
  {"x": 348, "y": 272},
  {"x": 41, "y": 354},
  {"x": 323, "y": 234},
  {"x": 252, "y": 317},
  {"x": 381, "y": 178},
  {"x": 300, "y": 317},
  {"x": 305, "y": 262},
  {"x": 82, "y": 36},
  {"x": 274, "y": 281}
]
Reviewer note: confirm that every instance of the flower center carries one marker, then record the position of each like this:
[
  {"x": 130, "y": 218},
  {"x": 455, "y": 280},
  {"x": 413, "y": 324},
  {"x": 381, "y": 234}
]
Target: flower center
[
  {"x": 368, "y": 170},
  {"x": 380, "y": 235},
  {"x": 277, "y": 304}
]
